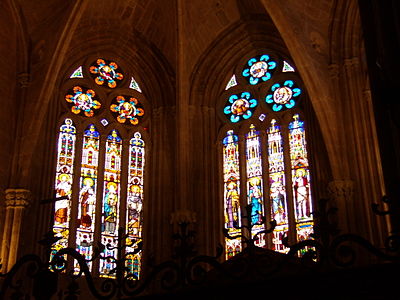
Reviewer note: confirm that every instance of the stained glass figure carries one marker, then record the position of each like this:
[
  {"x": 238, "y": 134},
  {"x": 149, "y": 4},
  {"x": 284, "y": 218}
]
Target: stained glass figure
[
  {"x": 287, "y": 68},
  {"x": 283, "y": 96},
  {"x": 254, "y": 183},
  {"x": 134, "y": 85},
  {"x": 278, "y": 199},
  {"x": 232, "y": 82},
  {"x": 240, "y": 107},
  {"x": 77, "y": 73},
  {"x": 106, "y": 71},
  {"x": 259, "y": 69},
  {"x": 300, "y": 179},
  {"x": 231, "y": 192},
  {"x": 135, "y": 202},
  {"x": 130, "y": 109},
  {"x": 87, "y": 194},
  {"x": 83, "y": 101},
  {"x": 63, "y": 184},
  {"x": 110, "y": 205}
]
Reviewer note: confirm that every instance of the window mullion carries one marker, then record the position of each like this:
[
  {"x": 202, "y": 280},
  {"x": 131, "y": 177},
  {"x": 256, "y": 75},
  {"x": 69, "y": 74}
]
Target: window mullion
[
  {"x": 243, "y": 183},
  {"x": 266, "y": 185},
  {"x": 289, "y": 185}
]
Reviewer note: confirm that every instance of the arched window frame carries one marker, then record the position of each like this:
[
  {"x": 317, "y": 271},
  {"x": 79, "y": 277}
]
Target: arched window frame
[
  {"x": 261, "y": 119},
  {"x": 105, "y": 122}
]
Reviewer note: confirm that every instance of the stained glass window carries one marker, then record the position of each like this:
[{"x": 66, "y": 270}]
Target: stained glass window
[
  {"x": 254, "y": 183},
  {"x": 273, "y": 156},
  {"x": 135, "y": 203},
  {"x": 85, "y": 223},
  {"x": 300, "y": 179},
  {"x": 102, "y": 196},
  {"x": 63, "y": 184},
  {"x": 231, "y": 192}
]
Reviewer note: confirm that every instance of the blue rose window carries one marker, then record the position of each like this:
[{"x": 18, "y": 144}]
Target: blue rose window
[
  {"x": 259, "y": 69},
  {"x": 283, "y": 96},
  {"x": 240, "y": 107}
]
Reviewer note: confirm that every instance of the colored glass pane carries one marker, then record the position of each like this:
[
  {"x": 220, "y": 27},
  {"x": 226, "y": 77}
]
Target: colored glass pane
[
  {"x": 232, "y": 82},
  {"x": 87, "y": 194},
  {"x": 278, "y": 199},
  {"x": 128, "y": 108},
  {"x": 105, "y": 72},
  {"x": 300, "y": 179},
  {"x": 283, "y": 95},
  {"x": 240, "y": 107},
  {"x": 77, "y": 73},
  {"x": 110, "y": 205},
  {"x": 83, "y": 101},
  {"x": 134, "y": 85},
  {"x": 63, "y": 184},
  {"x": 287, "y": 67},
  {"x": 135, "y": 203},
  {"x": 259, "y": 69},
  {"x": 231, "y": 192},
  {"x": 254, "y": 184}
]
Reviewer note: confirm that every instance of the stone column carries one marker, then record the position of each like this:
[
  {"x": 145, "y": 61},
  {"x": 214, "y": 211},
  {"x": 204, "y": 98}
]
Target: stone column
[
  {"x": 341, "y": 192},
  {"x": 16, "y": 201}
]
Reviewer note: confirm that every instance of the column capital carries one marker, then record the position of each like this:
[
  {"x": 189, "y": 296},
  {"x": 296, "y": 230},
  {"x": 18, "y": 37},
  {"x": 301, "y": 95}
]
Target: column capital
[
  {"x": 23, "y": 80},
  {"x": 17, "y": 197},
  {"x": 341, "y": 188}
]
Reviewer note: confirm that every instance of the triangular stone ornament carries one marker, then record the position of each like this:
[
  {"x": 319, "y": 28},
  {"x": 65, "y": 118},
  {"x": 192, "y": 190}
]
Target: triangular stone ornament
[
  {"x": 287, "y": 67},
  {"x": 77, "y": 73},
  {"x": 134, "y": 85},
  {"x": 232, "y": 82}
]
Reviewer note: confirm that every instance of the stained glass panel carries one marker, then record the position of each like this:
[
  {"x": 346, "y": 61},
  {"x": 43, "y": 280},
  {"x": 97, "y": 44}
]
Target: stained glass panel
[
  {"x": 134, "y": 85},
  {"x": 278, "y": 200},
  {"x": 259, "y": 69},
  {"x": 127, "y": 108},
  {"x": 135, "y": 203},
  {"x": 106, "y": 72},
  {"x": 300, "y": 179},
  {"x": 287, "y": 67},
  {"x": 254, "y": 183},
  {"x": 63, "y": 184},
  {"x": 283, "y": 95},
  {"x": 87, "y": 194},
  {"x": 77, "y": 73},
  {"x": 232, "y": 82},
  {"x": 240, "y": 107},
  {"x": 231, "y": 192},
  {"x": 83, "y": 101},
  {"x": 110, "y": 205}
]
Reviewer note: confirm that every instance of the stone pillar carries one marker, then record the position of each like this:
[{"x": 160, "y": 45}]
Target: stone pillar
[
  {"x": 16, "y": 201},
  {"x": 341, "y": 192}
]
